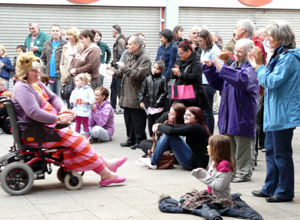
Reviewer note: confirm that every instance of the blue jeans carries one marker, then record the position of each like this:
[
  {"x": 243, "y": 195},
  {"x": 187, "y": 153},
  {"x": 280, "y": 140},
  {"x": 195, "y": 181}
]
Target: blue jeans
[
  {"x": 208, "y": 113},
  {"x": 181, "y": 150},
  {"x": 280, "y": 166},
  {"x": 100, "y": 133},
  {"x": 55, "y": 86}
]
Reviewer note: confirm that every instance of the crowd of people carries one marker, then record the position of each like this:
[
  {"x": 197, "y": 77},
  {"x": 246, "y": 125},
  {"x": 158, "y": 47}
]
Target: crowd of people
[{"x": 256, "y": 75}]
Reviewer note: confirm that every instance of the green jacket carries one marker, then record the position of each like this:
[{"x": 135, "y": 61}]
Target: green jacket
[
  {"x": 39, "y": 41},
  {"x": 104, "y": 50}
]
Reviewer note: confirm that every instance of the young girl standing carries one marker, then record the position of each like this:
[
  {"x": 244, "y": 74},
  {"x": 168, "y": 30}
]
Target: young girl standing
[
  {"x": 153, "y": 94},
  {"x": 81, "y": 98},
  {"x": 218, "y": 176}
]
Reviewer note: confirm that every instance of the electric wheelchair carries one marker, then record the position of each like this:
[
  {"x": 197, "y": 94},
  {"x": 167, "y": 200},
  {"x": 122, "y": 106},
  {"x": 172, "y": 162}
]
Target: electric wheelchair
[{"x": 24, "y": 164}]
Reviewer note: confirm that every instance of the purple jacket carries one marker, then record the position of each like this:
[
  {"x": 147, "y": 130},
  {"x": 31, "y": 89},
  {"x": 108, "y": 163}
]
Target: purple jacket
[
  {"x": 239, "y": 98},
  {"x": 103, "y": 116},
  {"x": 28, "y": 103}
]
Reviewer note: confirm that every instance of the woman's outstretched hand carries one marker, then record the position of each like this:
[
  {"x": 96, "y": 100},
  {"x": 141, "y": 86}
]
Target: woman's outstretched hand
[{"x": 256, "y": 58}]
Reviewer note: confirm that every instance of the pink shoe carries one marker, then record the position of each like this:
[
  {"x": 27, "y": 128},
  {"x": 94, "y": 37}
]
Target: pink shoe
[
  {"x": 118, "y": 164},
  {"x": 107, "y": 182}
]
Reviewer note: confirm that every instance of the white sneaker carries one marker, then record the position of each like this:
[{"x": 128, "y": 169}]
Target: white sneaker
[{"x": 147, "y": 162}]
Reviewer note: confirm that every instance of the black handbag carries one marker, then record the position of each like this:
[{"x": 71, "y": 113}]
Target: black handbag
[{"x": 67, "y": 89}]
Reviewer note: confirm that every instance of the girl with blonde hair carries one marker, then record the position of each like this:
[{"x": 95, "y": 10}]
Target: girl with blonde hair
[{"x": 81, "y": 99}]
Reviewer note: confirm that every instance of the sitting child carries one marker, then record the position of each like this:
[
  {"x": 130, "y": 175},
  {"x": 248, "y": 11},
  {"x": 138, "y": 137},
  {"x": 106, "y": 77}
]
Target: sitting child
[{"x": 217, "y": 178}]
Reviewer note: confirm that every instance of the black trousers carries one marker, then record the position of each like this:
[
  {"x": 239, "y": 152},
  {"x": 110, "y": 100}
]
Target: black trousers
[
  {"x": 135, "y": 122},
  {"x": 151, "y": 121},
  {"x": 115, "y": 90}
]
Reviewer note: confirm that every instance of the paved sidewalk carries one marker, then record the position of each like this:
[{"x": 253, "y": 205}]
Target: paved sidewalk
[{"x": 137, "y": 198}]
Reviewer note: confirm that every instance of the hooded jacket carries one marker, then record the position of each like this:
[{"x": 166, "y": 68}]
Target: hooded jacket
[
  {"x": 281, "y": 81},
  {"x": 85, "y": 93},
  {"x": 103, "y": 115}
]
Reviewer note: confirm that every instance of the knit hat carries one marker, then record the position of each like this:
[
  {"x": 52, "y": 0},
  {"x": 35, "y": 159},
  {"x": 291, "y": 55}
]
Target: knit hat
[
  {"x": 117, "y": 28},
  {"x": 27, "y": 61}
]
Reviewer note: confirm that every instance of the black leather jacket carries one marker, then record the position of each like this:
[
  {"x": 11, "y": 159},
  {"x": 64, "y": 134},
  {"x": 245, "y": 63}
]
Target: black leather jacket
[{"x": 154, "y": 91}]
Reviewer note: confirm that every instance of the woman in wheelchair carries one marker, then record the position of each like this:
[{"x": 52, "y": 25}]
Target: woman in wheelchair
[{"x": 34, "y": 101}]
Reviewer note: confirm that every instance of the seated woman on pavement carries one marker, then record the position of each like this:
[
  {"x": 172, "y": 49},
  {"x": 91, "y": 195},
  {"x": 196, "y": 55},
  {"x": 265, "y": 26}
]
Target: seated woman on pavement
[
  {"x": 173, "y": 117},
  {"x": 190, "y": 152},
  {"x": 33, "y": 101},
  {"x": 102, "y": 118}
]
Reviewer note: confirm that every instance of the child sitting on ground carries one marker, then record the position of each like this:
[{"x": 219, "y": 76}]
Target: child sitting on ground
[
  {"x": 81, "y": 98},
  {"x": 217, "y": 178}
]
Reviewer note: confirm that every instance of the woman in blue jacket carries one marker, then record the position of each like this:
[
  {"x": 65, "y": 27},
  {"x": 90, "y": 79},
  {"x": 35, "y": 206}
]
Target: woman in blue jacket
[
  {"x": 281, "y": 80},
  {"x": 5, "y": 66},
  {"x": 239, "y": 85},
  {"x": 167, "y": 51}
]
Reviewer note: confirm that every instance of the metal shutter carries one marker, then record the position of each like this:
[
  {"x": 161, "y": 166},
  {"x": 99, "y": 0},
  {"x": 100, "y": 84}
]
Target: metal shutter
[
  {"x": 225, "y": 19},
  {"x": 15, "y": 18}
]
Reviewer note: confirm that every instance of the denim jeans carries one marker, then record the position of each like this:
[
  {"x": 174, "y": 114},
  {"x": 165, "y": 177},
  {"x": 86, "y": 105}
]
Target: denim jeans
[
  {"x": 182, "y": 151},
  {"x": 55, "y": 86},
  {"x": 100, "y": 133},
  {"x": 280, "y": 166},
  {"x": 208, "y": 113}
]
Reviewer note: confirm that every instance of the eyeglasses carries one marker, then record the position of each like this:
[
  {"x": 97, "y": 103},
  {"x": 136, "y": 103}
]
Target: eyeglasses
[
  {"x": 189, "y": 115},
  {"x": 180, "y": 54},
  {"x": 239, "y": 52}
]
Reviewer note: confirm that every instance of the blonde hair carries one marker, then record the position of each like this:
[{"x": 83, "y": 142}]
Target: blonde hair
[
  {"x": 86, "y": 77},
  {"x": 27, "y": 61},
  {"x": 7, "y": 94},
  {"x": 74, "y": 32},
  {"x": 4, "y": 50}
]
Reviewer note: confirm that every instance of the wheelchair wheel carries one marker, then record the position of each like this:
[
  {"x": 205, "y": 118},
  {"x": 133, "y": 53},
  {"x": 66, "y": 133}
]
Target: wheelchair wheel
[
  {"x": 61, "y": 174},
  {"x": 17, "y": 178},
  {"x": 73, "y": 182}
]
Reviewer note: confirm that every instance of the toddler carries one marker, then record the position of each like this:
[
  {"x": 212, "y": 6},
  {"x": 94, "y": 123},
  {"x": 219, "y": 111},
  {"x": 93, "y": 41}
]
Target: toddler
[{"x": 81, "y": 98}]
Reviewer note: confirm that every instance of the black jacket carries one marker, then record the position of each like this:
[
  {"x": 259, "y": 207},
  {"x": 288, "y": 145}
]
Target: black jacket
[
  {"x": 196, "y": 138},
  {"x": 191, "y": 73},
  {"x": 154, "y": 91}
]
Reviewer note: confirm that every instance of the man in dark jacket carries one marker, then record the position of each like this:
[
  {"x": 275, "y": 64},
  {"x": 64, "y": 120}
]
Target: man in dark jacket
[
  {"x": 133, "y": 73},
  {"x": 51, "y": 56}
]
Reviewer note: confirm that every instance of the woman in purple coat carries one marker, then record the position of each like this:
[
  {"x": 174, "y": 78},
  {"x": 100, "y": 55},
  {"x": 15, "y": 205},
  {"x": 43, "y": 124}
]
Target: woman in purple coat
[
  {"x": 102, "y": 118},
  {"x": 239, "y": 86}
]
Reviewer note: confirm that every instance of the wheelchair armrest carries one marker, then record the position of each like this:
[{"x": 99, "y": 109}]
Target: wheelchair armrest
[
  {"x": 61, "y": 126},
  {"x": 30, "y": 123},
  {"x": 4, "y": 99}
]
